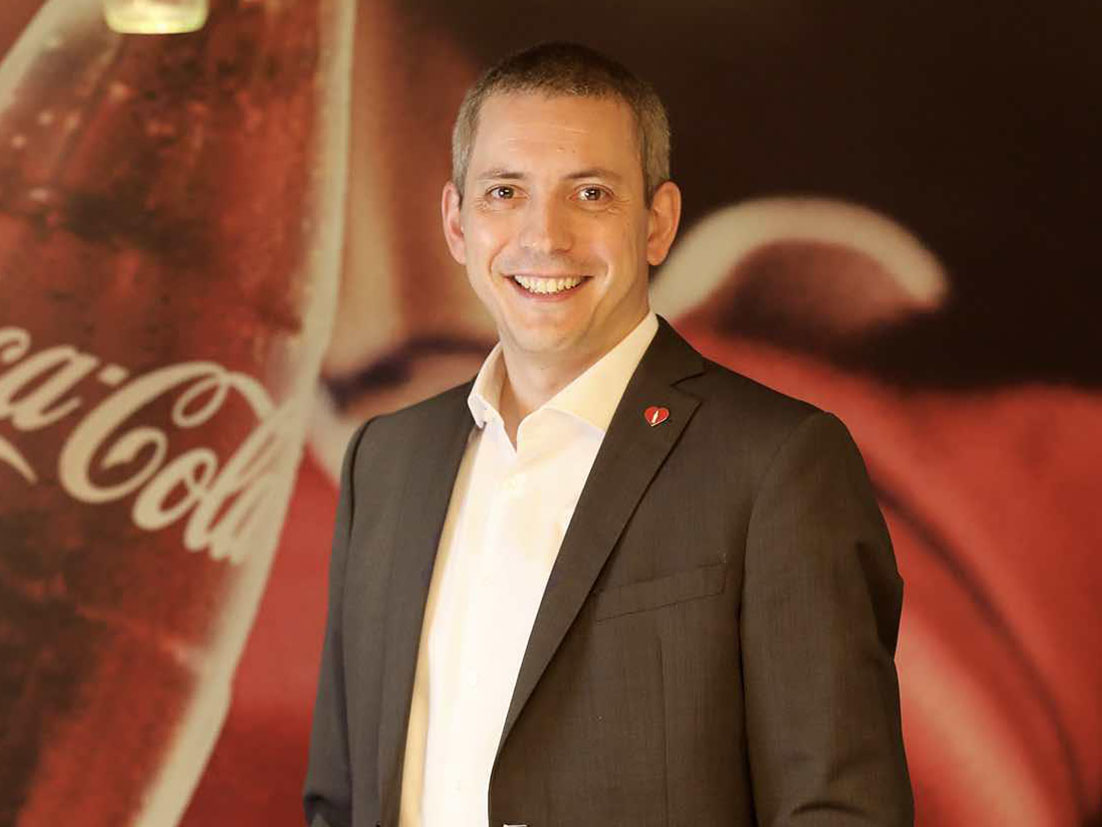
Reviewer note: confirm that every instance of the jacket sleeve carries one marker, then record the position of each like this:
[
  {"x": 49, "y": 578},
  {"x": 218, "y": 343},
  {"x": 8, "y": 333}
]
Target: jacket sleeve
[
  {"x": 327, "y": 793},
  {"x": 819, "y": 620}
]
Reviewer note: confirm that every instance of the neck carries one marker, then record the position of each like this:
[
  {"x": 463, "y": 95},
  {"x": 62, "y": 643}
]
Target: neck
[
  {"x": 530, "y": 381},
  {"x": 528, "y": 384}
]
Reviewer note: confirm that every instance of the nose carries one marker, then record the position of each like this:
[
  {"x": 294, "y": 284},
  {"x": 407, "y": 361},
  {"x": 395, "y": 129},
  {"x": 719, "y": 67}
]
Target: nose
[{"x": 546, "y": 227}]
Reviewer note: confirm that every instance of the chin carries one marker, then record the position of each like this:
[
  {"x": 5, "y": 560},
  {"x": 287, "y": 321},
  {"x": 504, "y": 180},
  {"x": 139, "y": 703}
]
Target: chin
[{"x": 531, "y": 341}]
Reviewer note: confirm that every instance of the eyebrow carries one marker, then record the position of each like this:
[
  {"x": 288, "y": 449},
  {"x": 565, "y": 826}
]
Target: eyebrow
[
  {"x": 594, "y": 172},
  {"x": 503, "y": 174}
]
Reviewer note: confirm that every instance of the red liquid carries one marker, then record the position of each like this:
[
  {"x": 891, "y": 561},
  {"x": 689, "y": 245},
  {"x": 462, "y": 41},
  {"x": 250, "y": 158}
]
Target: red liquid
[{"x": 170, "y": 218}]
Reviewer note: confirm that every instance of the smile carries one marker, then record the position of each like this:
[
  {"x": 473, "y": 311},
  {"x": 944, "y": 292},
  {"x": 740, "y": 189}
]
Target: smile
[{"x": 547, "y": 286}]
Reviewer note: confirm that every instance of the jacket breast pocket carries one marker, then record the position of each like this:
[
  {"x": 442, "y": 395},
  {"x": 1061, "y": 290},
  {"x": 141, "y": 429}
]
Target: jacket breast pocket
[{"x": 659, "y": 591}]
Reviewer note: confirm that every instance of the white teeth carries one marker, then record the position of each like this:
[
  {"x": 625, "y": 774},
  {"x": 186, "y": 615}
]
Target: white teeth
[{"x": 546, "y": 285}]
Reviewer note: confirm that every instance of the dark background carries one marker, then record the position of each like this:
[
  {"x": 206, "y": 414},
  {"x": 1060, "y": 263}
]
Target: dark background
[{"x": 976, "y": 125}]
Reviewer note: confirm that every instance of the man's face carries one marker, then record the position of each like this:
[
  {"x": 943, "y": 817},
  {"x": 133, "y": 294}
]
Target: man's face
[{"x": 553, "y": 227}]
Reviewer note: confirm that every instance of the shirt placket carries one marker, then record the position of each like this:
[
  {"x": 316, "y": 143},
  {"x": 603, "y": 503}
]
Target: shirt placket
[{"x": 489, "y": 648}]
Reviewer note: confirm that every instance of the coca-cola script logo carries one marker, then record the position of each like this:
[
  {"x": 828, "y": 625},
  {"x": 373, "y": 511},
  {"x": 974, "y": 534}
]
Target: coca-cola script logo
[{"x": 226, "y": 505}]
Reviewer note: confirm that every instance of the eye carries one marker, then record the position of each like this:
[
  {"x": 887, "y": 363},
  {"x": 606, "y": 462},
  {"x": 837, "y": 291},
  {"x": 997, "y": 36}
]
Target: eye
[
  {"x": 592, "y": 193},
  {"x": 502, "y": 192}
]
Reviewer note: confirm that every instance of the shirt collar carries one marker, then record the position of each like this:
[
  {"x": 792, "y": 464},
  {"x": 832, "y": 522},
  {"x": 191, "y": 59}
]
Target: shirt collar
[{"x": 592, "y": 396}]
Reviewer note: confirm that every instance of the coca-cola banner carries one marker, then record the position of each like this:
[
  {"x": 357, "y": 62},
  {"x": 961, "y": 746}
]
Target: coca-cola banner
[{"x": 220, "y": 252}]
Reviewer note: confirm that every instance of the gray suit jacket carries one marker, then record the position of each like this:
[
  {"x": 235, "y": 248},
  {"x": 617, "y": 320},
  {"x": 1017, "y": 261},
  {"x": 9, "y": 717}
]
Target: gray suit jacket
[{"x": 714, "y": 646}]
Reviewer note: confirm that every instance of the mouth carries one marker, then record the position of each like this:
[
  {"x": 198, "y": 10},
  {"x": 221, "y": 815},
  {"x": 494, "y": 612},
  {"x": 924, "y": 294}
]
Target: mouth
[{"x": 547, "y": 287}]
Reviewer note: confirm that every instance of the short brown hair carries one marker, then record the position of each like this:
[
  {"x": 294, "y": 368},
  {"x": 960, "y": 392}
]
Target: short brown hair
[{"x": 562, "y": 68}]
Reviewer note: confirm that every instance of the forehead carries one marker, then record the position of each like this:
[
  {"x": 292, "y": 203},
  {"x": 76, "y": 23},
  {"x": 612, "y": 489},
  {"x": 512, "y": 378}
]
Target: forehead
[{"x": 515, "y": 128}]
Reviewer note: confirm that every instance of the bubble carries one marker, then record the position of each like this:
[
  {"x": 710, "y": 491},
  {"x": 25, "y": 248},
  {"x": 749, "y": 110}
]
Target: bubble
[{"x": 119, "y": 92}]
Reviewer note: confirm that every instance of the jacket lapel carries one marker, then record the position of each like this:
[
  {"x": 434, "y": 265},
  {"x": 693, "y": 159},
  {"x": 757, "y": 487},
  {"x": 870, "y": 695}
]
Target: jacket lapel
[
  {"x": 423, "y": 508},
  {"x": 629, "y": 457}
]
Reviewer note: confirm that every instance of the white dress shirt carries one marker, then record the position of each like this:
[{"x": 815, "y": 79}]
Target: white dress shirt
[{"x": 507, "y": 515}]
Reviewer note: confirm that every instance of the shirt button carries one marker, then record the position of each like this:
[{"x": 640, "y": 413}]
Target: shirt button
[{"x": 512, "y": 486}]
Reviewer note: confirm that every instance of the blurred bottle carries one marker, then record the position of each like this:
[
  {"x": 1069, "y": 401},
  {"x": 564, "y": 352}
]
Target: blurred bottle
[
  {"x": 155, "y": 16},
  {"x": 170, "y": 220}
]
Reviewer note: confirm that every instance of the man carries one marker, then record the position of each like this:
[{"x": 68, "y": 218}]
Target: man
[{"x": 606, "y": 581}]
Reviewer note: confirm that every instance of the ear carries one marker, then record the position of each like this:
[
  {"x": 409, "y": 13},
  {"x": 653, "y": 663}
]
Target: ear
[
  {"x": 665, "y": 214},
  {"x": 452, "y": 217}
]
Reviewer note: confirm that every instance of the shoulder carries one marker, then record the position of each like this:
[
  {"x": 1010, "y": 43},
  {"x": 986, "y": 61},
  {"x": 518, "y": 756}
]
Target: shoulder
[
  {"x": 398, "y": 432},
  {"x": 741, "y": 417},
  {"x": 747, "y": 404}
]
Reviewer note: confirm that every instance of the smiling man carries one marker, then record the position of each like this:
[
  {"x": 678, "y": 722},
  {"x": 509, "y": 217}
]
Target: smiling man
[
  {"x": 606, "y": 580},
  {"x": 557, "y": 222}
]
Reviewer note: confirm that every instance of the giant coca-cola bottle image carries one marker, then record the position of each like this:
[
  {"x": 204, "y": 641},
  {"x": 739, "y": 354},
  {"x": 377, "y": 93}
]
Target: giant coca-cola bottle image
[{"x": 170, "y": 222}]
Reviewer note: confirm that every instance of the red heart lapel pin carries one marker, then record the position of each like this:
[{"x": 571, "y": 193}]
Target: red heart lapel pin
[{"x": 656, "y": 415}]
